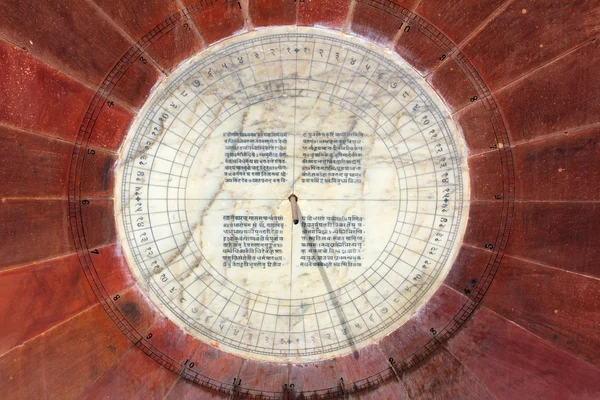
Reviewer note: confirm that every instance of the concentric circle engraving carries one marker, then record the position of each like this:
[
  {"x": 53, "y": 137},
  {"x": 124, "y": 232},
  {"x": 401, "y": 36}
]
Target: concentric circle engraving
[{"x": 362, "y": 143}]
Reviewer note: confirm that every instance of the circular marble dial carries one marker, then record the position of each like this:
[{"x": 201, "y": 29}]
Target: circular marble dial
[{"x": 292, "y": 194}]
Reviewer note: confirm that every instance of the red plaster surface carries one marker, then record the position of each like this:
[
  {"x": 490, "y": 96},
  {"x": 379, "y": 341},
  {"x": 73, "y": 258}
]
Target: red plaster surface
[
  {"x": 135, "y": 376},
  {"x": 313, "y": 376},
  {"x": 561, "y": 235},
  {"x": 26, "y": 292},
  {"x": 484, "y": 219},
  {"x": 169, "y": 50},
  {"x": 485, "y": 171},
  {"x": 112, "y": 269},
  {"x": 110, "y": 128},
  {"x": 392, "y": 390},
  {"x": 373, "y": 24},
  {"x": 534, "y": 336},
  {"x": 219, "y": 365},
  {"x": 220, "y": 22},
  {"x": 442, "y": 376},
  {"x": 23, "y": 239},
  {"x": 361, "y": 363},
  {"x": 98, "y": 175},
  {"x": 512, "y": 362},
  {"x": 175, "y": 47},
  {"x": 97, "y": 235},
  {"x": 526, "y": 293},
  {"x": 559, "y": 168},
  {"x": 528, "y": 35},
  {"x": 458, "y": 18},
  {"x": 69, "y": 357},
  {"x": 272, "y": 12},
  {"x": 70, "y": 35},
  {"x": 186, "y": 390},
  {"x": 451, "y": 83},
  {"x": 323, "y": 13},
  {"x": 556, "y": 98},
  {"x": 60, "y": 103},
  {"x": 467, "y": 269},
  {"x": 268, "y": 377},
  {"x": 137, "y": 309},
  {"x": 135, "y": 85},
  {"x": 33, "y": 165},
  {"x": 419, "y": 51},
  {"x": 476, "y": 126}
]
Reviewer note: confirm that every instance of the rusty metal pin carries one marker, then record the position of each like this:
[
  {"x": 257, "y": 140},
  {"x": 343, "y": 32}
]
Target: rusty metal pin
[{"x": 294, "y": 203}]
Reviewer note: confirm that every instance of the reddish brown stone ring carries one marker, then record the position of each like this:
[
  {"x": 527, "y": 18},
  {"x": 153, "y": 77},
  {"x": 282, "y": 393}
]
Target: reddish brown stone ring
[{"x": 515, "y": 316}]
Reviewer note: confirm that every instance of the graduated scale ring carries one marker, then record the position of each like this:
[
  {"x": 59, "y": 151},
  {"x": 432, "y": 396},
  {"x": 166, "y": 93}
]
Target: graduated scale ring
[{"x": 366, "y": 150}]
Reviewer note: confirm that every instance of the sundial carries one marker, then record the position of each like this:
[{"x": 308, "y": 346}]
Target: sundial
[{"x": 292, "y": 194}]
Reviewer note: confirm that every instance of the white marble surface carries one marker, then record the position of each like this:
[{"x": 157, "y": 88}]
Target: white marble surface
[{"x": 219, "y": 253}]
